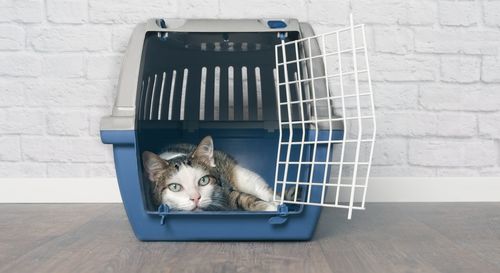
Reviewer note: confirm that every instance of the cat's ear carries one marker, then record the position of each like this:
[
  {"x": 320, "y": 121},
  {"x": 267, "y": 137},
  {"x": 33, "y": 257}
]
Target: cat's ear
[
  {"x": 153, "y": 165},
  {"x": 205, "y": 151}
]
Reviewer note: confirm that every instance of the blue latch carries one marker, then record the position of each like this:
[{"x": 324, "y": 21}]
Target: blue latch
[
  {"x": 276, "y": 24},
  {"x": 162, "y": 23},
  {"x": 281, "y": 217},
  {"x": 163, "y": 212},
  {"x": 282, "y": 35}
]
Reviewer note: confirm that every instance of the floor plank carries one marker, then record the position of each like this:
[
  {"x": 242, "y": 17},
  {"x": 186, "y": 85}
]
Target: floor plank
[{"x": 385, "y": 238}]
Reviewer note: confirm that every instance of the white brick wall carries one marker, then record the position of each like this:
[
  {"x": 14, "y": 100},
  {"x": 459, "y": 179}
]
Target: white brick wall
[{"x": 436, "y": 73}]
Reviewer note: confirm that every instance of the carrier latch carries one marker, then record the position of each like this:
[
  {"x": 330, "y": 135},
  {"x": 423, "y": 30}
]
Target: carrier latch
[
  {"x": 281, "y": 217},
  {"x": 163, "y": 212}
]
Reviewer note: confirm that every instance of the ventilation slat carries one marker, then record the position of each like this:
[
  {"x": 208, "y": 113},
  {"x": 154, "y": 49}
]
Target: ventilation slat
[
  {"x": 268, "y": 108},
  {"x": 258, "y": 83},
  {"x": 252, "y": 92},
  {"x": 155, "y": 98},
  {"x": 209, "y": 94},
  {"x": 165, "y": 102},
  {"x": 142, "y": 97},
  {"x": 182, "y": 109},
  {"x": 177, "y": 96},
  {"x": 238, "y": 94},
  {"x": 162, "y": 92},
  {"x": 203, "y": 89},
  {"x": 147, "y": 100},
  {"x": 216, "y": 100},
  {"x": 192, "y": 102},
  {"x": 224, "y": 96},
  {"x": 172, "y": 96}
]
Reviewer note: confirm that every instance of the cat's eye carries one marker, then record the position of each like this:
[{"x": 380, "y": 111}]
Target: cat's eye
[
  {"x": 205, "y": 180},
  {"x": 175, "y": 187}
]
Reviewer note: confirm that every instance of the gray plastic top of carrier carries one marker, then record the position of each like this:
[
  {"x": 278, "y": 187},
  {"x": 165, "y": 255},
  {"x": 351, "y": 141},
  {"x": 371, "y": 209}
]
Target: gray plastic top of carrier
[{"x": 125, "y": 111}]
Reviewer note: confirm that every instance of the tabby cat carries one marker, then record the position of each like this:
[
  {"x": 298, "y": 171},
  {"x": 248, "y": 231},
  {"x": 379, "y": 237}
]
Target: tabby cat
[{"x": 189, "y": 177}]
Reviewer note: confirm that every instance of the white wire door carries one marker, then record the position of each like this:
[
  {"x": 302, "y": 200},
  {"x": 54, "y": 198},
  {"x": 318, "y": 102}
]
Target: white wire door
[{"x": 327, "y": 119}]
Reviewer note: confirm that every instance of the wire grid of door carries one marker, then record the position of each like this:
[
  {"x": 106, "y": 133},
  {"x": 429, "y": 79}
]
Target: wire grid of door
[{"x": 325, "y": 100}]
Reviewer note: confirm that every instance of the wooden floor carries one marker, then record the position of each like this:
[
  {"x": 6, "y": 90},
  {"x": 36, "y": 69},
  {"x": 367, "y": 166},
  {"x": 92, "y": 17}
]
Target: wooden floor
[{"x": 384, "y": 238}]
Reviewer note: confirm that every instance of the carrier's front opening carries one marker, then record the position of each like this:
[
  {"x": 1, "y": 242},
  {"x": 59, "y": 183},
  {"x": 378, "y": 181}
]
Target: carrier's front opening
[{"x": 220, "y": 84}]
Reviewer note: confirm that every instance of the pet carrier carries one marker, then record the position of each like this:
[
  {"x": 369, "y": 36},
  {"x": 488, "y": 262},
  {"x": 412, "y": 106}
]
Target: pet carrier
[{"x": 271, "y": 94}]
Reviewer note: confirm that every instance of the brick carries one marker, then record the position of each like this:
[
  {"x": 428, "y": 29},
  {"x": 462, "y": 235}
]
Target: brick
[
  {"x": 74, "y": 92},
  {"x": 456, "y": 125},
  {"x": 396, "y": 123},
  {"x": 489, "y": 125},
  {"x": 490, "y": 69},
  {"x": 22, "y": 121},
  {"x": 395, "y": 96},
  {"x": 23, "y": 169},
  {"x": 12, "y": 37},
  {"x": 198, "y": 9},
  {"x": 463, "y": 69},
  {"x": 20, "y": 64},
  {"x": 63, "y": 149},
  {"x": 395, "y": 12},
  {"x": 462, "y": 13},
  {"x": 70, "y": 38},
  {"x": 25, "y": 11},
  {"x": 103, "y": 66},
  {"x": 12, "y": 93},
  {"x": 328, "y": 12},
  {"x": 102, "y": 170},
  {"x": 413, "y": 124},
  {"x": 67, "y": 11},
  {"x": 63, "y": 65},
  {"x": 10, "y": 148},
  {"x": 401, "y": 171},
  {"x": 419, "y": 12},
  {"x": 403, "y": 68},
  {"x": 390, "y": 151},
  {"x": 67, "y": 169},
  {"x": 66, "y": 122},
  {"x": 456, "y": 40},
  {"x": 269, "y": 9},
  {"x": 397, "y": 40},
  {"x": 491, "y": 10},
  {"x": 130, "y": 11},
  {"x": 385, "y": 12},
  {"x": 452, "y": 153},
  {"x": 120, "y": 37},
  {"x": 475, "y": 97}
]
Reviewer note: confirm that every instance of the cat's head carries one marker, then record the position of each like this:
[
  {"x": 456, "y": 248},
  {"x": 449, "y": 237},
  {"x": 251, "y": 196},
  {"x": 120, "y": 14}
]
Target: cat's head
[{"x": 185, "y": 182}]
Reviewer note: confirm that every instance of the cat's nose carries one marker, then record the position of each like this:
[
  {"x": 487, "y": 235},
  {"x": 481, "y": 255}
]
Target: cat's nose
[{"x": 196, "y": 198}]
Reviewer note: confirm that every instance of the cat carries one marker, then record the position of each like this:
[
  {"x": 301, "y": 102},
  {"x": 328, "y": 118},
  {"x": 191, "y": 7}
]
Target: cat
[{"x": 192, "y": 178}]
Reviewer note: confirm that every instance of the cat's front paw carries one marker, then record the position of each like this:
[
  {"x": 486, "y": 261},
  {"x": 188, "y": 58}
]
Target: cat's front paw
[{"x": 272, "y": 206}]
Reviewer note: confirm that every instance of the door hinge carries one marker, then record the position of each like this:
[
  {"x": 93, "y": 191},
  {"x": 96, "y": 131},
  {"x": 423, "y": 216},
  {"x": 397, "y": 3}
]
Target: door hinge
[
  {"x": 282, "y": 216},
  {"x": 163, "y": 212}
]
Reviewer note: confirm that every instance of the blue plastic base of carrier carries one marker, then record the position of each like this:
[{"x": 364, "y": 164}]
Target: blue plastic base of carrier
[{"x": 255, "y": 149}]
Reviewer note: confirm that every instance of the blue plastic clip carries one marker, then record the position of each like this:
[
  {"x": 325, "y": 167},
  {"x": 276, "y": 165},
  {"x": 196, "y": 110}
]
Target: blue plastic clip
[
  {"x": 162, "y": 24},
  {"x": 282, "y": 216},
  {"x": 282, "y": 35},
  {"x": 163, "y": 212}
]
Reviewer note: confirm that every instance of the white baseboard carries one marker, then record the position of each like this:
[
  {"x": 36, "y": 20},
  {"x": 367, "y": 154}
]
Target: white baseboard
[{"x": 393, "y": 189}]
